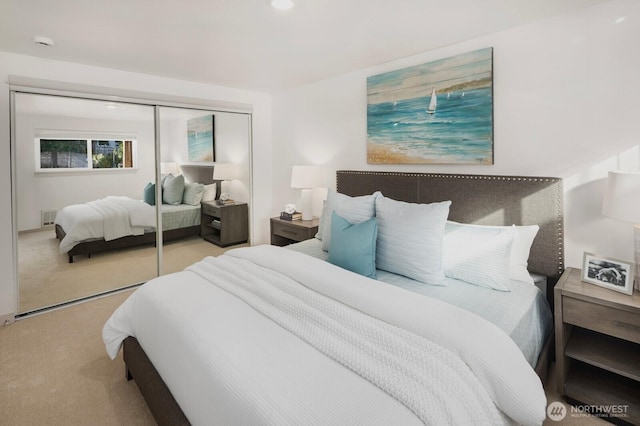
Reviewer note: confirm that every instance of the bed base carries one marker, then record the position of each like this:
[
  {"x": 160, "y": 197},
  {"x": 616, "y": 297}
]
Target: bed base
[
  {"x": 160, "y": 401},
  {"x": 97, "y": 246}
]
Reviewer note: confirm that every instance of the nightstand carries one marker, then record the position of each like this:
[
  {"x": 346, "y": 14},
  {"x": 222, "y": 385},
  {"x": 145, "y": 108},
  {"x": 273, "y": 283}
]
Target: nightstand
[
  {"x": 224, "y": 225},
  {"x": 284, "y": 232},
  {"x": 598, "y": 345}
]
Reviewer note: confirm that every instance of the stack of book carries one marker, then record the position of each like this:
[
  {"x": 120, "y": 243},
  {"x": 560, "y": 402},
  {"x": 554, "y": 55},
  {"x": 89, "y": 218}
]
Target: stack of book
[
  {"x": 290, "y": 216},
  {"x": 224, "y": 202}
]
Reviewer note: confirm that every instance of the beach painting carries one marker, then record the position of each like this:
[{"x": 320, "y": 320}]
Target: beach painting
[
  {"x": 440, "y": 112},
  {"x": 200, "y": 139}
]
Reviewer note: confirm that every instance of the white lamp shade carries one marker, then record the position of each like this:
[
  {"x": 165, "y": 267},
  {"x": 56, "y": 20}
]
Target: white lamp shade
[
  {"x": 169, "y": 167},
  {"x": 306, "y": 177},
  {"x": 622, "y": 196},
  {"x": 225, "y": 171}
]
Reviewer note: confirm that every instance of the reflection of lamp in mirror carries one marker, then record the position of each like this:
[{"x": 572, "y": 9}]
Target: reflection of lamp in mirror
[
  {"x": 169, "y": 168},
  {"x": 225, "y": 172},
  {"x": 622, "y": 202},
  {"x": 306, "y": 178}
]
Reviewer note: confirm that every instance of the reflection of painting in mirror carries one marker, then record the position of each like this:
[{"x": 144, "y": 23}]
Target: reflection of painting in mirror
[
  {"x": 201, "y": 139},
  {"x": 440, "y": 112}
]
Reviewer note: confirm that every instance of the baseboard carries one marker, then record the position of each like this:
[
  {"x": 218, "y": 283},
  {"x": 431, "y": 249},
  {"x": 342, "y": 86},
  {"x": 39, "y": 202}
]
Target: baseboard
[{"x": 7, "y": 319}]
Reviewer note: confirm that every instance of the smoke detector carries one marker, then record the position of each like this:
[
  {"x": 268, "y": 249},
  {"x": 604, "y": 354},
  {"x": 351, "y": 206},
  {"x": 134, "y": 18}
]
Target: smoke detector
[
  {"x": 282, "y": 4},
  {"x": 43, "y": 41}
]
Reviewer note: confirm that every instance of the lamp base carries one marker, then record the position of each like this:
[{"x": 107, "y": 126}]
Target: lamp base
[{"x": 305, "y": 208}]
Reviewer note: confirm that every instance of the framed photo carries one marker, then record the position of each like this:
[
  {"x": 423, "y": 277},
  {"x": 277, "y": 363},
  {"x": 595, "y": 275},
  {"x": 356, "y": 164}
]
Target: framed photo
[{"x": 613, "y": 274}]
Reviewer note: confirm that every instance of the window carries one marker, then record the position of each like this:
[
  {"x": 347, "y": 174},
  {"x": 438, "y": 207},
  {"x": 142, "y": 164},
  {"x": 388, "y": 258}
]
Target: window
[{"x": 87, "y": 154}]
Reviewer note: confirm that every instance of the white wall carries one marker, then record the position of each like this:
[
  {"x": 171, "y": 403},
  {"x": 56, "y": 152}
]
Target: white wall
[
  {"x": 565, "y": 104},
  {"x": 26, "y": 66}
]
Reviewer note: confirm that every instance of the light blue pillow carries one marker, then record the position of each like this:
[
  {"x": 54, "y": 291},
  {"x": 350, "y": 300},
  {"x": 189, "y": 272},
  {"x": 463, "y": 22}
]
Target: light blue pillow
[
  {"x": 353, "y": 209},
  {"x": 173, "y": 189},
  {"x": 149, "y": 194},
  {"x": 353, "y": 246}
]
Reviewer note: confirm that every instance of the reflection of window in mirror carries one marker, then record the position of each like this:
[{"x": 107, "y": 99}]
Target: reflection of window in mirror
[{"x": 63, "y": 154}]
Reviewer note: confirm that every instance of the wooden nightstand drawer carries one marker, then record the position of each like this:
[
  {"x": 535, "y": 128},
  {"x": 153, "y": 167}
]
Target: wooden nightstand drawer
[
  {"x": 284, "y": 232},
  {"x": 604, "y": 319},
  {"x": 211, "y": 209},
  {"x": 290, "y": 232}
]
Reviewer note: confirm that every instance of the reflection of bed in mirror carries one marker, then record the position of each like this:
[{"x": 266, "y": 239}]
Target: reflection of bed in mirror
[
  {"x": 116, "y": 222},
  {"x": 247, "y": 371}
]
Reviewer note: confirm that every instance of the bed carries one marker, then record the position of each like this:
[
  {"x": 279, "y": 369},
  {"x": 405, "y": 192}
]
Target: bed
[
  {"x": 116, "y": 222},
  {"x": 297, "y": 385}
]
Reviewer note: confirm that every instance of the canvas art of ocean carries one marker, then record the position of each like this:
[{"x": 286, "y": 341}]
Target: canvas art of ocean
[
  {"x": 200, "y": 139},
  {"x": 440, "y": 112}
]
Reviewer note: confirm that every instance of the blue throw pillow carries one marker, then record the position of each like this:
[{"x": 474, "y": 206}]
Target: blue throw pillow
[
  {"x": 353, "y": 246},
  {"x": 149, "y": 194}
]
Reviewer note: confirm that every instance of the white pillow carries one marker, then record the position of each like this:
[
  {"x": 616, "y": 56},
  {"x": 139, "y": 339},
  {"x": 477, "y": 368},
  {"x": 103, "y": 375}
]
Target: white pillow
[
  {"x": 522, "y": 240},
  {"x": 193, "y": 193},
  {"x": 352, "y": 209},
  {"x": 209, "y": 192},
  {"x": 478, "y": 255},
  {"x": 410, "y": 239}
]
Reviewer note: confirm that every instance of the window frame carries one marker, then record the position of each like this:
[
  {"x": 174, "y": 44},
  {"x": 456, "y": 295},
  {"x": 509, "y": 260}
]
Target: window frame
[{"x": 129, "y": 143}]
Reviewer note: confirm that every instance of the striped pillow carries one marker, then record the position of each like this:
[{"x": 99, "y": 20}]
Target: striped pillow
[{"x": 410, "y": 239}]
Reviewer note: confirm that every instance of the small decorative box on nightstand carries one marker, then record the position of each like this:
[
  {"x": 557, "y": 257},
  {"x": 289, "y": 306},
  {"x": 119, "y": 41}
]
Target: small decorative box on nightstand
[
  {"x": 284, "y": 232},
  {"x": 598, "y": 346}
]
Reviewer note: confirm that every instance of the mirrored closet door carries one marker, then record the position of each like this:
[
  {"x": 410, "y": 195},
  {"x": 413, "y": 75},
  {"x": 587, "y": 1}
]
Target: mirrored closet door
[
  {"x": 83, "y": 165},
  {"x": 193, "y": 143},
  {"x": 70, "y": 152}
]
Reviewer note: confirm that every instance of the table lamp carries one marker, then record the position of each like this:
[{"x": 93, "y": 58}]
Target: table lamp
[
  {"x": 225, "y": 172},
  {"x": 306, "y": 178},
  {"x": 622, "y": 202}
]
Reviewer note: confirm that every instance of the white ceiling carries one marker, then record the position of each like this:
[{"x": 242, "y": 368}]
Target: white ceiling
[{"x": 246, "y": 43}]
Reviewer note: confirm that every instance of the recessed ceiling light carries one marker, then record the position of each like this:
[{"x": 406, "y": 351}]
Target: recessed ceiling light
[
  {"x": 109, "y": 105},
  {"x": 43, "y": 41},
  {"x": 282, "y": 4}
]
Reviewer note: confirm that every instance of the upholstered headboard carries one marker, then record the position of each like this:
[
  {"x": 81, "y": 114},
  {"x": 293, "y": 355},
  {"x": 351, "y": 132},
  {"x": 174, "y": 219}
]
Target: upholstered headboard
[
  {"x": 483, "y": 200},
  {"x": 200, "y": 174}
]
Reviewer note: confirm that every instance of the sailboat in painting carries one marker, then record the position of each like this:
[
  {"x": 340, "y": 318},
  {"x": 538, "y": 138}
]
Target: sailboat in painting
[{"x": 431, "y": 109}]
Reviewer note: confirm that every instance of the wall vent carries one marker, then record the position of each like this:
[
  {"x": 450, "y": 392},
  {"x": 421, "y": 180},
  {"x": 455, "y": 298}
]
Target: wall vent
[{"x": 48, "y": 217}]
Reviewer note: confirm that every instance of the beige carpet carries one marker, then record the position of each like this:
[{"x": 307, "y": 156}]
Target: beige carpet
[
  {"x": 46, "y": 278},
  {"x": 54, "y": 371}
]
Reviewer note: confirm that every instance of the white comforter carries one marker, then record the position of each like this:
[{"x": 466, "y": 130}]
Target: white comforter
[
  {"x": 109, "y": 218},
  {"x": 239, "y": 341}
]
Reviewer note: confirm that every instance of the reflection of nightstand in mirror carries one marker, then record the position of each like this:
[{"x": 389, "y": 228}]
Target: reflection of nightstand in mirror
[
  {"x": 597, "y": 345},
  {"x": 224, "y": 225},
  {"x": 284, "y": 232}
]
